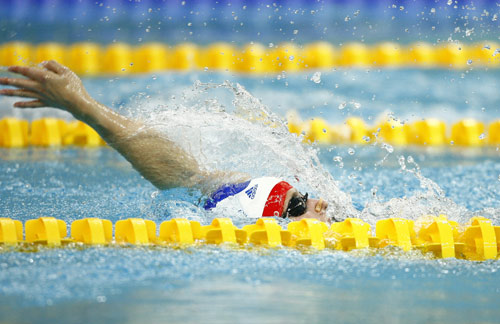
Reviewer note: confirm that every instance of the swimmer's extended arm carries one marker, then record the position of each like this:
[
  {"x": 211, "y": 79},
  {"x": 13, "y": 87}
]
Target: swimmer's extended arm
[{"x": 158, "y": 159}]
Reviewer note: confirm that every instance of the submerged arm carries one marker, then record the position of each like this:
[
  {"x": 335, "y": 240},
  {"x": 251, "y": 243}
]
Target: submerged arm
[{"x": 159, "y": 160}]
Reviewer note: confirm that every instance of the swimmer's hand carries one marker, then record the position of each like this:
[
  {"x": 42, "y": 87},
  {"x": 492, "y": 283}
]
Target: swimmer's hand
[{"x": 49, "y": 85}]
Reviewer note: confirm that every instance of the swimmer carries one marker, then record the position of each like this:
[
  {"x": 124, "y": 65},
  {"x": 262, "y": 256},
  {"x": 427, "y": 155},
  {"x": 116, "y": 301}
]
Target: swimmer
[{"x": 158, "y": 159}]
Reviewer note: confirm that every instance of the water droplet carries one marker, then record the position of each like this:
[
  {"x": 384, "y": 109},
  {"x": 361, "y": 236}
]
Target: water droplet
[
  {"x": 342, "y": 105},
  {"x": 316, "y": 78},
  {"x": 469, "y": 62},
  {"x": 291, "y": 57},
  {"x": 449, "y": 3},
  {"x": 366, "y": 138},
  {"x": 482, "y": 136},
  {"x": 295, "y": 31},
  {"x": 402, "y": 163},
  {"x": 351, "y": 151},
  {"x": 337, "y": 158},
  {"x": 487, "y": 47},
  {"x": 387, "y": 147},
  {"x": 101, "y": 299}
]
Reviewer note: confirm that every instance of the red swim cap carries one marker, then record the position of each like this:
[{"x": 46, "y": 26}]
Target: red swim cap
[{"x": 276, "y": 199}]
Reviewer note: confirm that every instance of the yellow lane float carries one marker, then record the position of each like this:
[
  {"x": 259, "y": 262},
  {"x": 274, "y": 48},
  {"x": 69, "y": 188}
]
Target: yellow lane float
[
  {"x": 92, "y": 231},
  {"x": 353, "y": 233},
  {"x": 135, "y": 231},
  {"x": 47, "y": 132},
  {"x": 179, "y": 230},
  {"x": 46, "y": 230},
  {"x": 308, "y": 232},
  {"x": 421, "y": 55},
  {"x": 267, "y": 232},
  {"x": 84, "y": 58},
  {"x": 151, "y": 57},
  {"x": 13, "y": 132},
  {"x": 253, "y": 58},
  {"x": 428, "y": 132},
  {"x": 11, "y": 231},
  {"x": 468, "y": 132},
  {"x": 397, "y": 232},
  {"x": 439, "y": 235}
]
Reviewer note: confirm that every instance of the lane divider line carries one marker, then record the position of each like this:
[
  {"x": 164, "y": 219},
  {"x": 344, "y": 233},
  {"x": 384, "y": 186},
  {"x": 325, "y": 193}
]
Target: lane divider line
[{"x": 477, "y": 240}]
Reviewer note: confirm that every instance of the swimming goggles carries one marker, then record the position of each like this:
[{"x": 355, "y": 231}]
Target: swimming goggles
[{"x": 297, "y": 206}]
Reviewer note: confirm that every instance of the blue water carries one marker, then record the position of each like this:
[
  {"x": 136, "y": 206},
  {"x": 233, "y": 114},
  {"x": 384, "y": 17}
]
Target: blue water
[
  {"x": 240, "y": 21},
  {"x": 225, "y": 284}
]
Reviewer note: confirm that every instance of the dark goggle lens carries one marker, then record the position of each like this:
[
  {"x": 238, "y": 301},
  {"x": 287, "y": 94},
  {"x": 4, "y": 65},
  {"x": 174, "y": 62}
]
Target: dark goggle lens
[{"x": 297, "y": 206}]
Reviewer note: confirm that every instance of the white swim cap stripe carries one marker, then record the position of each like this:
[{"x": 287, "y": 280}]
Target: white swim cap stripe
[{"x": 253, "y": 199}]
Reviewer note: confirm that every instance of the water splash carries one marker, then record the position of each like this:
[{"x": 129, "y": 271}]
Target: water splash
[
  {"x": 243, "y": 135},
  {"x": 316, "y": 77},
  {"x": 431, "y": 201}
]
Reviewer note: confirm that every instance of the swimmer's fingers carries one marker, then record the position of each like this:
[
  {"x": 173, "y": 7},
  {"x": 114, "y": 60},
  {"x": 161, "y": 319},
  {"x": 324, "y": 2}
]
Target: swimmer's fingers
[
  {"x": 34, "y": 73},
  {"x": 30, "y": 104},
  {"x": 21, "y": 83},
  {"x": 54, "y": 67},
  {"x": 23, "y": 93}
]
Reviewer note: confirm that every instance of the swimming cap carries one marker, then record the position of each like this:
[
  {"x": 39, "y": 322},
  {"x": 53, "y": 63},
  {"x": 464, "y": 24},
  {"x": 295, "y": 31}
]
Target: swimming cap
[
  {"x": 276, "y": 199},
  {"x": 260, "y": 197}
]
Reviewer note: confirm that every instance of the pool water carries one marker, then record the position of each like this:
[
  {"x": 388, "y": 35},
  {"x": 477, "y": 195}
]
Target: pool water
[{"x": 225, "y": 284}]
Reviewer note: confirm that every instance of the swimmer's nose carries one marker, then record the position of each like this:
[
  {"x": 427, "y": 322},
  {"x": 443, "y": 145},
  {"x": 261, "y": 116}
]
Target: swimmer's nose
[{"x": 321, "y": 205}]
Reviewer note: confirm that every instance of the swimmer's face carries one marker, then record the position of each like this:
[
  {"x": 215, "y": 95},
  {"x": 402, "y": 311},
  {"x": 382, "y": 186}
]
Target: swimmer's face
[{"x": 315, "y": 208}]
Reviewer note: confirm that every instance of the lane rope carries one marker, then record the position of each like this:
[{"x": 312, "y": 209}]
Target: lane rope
[
  {"x": 477, "y": 240},
  {"x": 254, "y": 58},
  {"x": 52, "y": 132}
]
